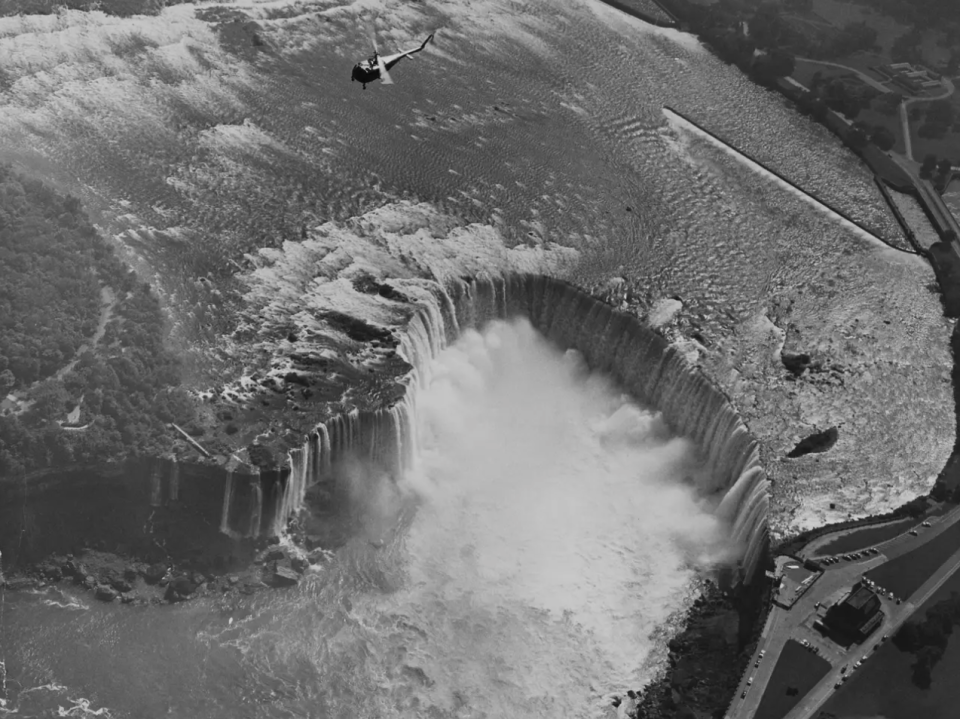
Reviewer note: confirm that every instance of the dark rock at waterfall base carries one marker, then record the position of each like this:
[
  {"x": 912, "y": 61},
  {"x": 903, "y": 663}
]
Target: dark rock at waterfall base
[
  {"x": 316, "y": 556},
  {"x": 275, "y": 554},
  {"x": 121, "y": 584},
  {"x": 74, "y": 568},
  {"x": 106, "y": 593},
  {"x": 815, "y": 443},
  {"x": 312, "y": 541},
  {"x": 708, "y": 657},
  {"x": 51, "y": 571},
  {"x": 179, "y": 589},
  {"x": 299, "y": 564},
  {"x": 284, "y": 577},
  {"x": 154, "y": 573}
]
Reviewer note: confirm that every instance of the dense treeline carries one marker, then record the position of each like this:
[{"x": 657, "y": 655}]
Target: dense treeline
[
  {"x": 52, "y": 266},
  {"x": 927, "y": 639},
  {"x": 50, "y": 263}
]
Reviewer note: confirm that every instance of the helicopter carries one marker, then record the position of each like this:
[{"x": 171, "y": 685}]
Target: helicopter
[{"x": 377, "y": 66}]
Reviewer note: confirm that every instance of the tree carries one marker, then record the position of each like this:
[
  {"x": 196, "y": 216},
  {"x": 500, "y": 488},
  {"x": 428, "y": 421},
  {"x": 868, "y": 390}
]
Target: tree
[
  {"x": 857, "y": 138},
  {"x": 7, "y": 381},
  {"x": 883, "y": 138}
]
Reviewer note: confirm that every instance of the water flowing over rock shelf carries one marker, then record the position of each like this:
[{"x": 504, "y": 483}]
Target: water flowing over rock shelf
[{"x": 240, "y": 501}]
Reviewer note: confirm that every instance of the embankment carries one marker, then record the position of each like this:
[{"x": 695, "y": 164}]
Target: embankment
[
  {"x": 789, "y": 184},
  {"x": 150, "y": 506}
]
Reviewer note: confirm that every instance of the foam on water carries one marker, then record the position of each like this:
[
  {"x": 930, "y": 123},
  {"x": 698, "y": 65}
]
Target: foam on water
[{"x": 555, "y": 536}]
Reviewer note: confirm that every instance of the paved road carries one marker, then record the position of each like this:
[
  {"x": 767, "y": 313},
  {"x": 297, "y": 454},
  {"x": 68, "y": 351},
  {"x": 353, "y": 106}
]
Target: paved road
[{"x": 797, "y": 622}]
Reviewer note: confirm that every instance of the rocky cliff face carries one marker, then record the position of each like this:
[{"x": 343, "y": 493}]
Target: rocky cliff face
[{"x": 150, "y": 508}]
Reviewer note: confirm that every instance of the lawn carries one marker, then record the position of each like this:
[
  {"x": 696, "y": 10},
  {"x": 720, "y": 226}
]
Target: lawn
[
  {"x": 804, "y": 71},
  {"x": 797, "y": 672},
  {"x": 891, "y": 122},
  {"x": 948, "y": 146},
  {"x": 883, "y": 687},
  {"x": 904, "y": 574},
  {"x": 866, "y": 537}
]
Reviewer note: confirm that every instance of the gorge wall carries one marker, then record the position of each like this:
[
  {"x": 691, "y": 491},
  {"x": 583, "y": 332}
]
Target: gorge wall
[{"x": 151, "y": 506}]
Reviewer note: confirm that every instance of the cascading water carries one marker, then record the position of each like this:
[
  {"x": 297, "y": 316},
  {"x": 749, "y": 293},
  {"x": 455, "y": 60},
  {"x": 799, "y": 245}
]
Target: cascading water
[
  {"x": 558, "y": 529},
  {"x": 638, "y": 359}
]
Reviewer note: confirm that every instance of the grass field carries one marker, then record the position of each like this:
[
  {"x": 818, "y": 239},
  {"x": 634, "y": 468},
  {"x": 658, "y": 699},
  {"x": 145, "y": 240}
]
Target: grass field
[
  {"x": 904, "y": 574},
  {"x": 866, "y": 537},
  {"x": 804, "y": 71},
  {"x": 948, "y": 146},
  {"x": 797, "y": 669}
]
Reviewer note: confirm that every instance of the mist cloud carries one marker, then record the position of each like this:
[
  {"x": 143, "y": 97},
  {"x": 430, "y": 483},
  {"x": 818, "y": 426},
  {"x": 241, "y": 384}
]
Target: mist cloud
[{"x": 545, "y": 489}]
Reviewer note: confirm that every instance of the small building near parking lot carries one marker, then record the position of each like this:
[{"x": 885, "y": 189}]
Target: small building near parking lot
[{"x": 857, "y": 615}]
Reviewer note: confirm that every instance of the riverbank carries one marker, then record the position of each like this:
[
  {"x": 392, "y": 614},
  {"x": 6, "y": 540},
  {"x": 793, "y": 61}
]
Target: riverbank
[{"x": 647, "y": 10}]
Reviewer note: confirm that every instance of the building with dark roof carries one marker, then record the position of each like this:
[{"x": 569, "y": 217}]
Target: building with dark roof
[{"x": 857, "y": 616}]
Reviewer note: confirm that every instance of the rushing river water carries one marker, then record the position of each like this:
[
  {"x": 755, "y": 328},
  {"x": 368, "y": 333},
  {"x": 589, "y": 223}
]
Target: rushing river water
[
  {"x": 544, "y": 120},
  {"x": 556, "y": 530}
]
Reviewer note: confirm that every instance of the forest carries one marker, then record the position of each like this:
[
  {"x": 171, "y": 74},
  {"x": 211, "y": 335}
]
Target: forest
[
  {"x": 927, "y": 639},
  {"x": 53, "y": 264}
]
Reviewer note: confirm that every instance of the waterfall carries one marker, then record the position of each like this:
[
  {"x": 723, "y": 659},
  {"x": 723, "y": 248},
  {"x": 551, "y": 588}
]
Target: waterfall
[
  {"x": 227, "y": 502},
  {"x": 174, "y": 481},
  {"x": 642, "y": 362},
  {"x": 156, "y": 484}
]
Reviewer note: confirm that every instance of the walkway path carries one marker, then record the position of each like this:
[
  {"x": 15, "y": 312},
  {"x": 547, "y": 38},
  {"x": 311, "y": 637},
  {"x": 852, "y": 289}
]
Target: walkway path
[
  {"x": 905, "y": 119},
  {"x": 862, "y": 75}
]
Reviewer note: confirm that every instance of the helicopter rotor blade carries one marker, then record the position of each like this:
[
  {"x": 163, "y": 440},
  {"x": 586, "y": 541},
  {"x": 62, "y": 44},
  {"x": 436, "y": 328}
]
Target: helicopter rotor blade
[{"x": 384, "y": 75}]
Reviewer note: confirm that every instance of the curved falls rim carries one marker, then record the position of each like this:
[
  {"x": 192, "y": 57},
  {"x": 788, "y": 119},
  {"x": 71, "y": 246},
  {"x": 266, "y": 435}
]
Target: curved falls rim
[{"x": 244, "y": 502}]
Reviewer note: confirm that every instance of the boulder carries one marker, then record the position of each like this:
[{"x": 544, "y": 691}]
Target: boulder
[
  {"x": 815, "y": 443},
  {"x": 795, "y": 362},
  {"x": 75, "y": 569},
  {"x": 154, "y": 573},
  {"x": 283, "y": 577},
  {"x": 51, "y": 572},
  {"x": 312, "y": 541},
  {"x": 90, "y": 581},
  {"x": 131, "y": 574},
  {"x": 275, "y": 554},
  {"x": 128, "y": 597},
  {"x": 316, "y": 556},
  {"x": 105, "y": 593},
  {"x": 183, "y": 586},
  {"x": 299, "y": 564},
  {"x": 121, "y": 584}
]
